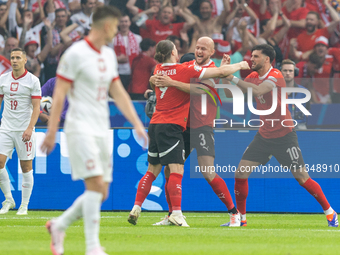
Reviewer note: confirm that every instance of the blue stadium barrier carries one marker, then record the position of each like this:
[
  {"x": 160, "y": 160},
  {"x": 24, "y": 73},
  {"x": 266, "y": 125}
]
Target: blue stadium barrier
[{"x": 54, "y": 188}]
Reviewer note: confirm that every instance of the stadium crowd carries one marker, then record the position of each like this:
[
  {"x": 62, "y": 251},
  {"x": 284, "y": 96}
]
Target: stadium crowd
[{"x": 306, "y": 31}]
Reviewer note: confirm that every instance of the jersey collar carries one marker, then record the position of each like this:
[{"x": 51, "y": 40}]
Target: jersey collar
[
  {"x": 169, "y": 64},
  {"x": 91, "y": 45},
  {"x": 266, "y": 74},
  {"x": 19, "y": 76},
  {"x": 208, "y": 64}
]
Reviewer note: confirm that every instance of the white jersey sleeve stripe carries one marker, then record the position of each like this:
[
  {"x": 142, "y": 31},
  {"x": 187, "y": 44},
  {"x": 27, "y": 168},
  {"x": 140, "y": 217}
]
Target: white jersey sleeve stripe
[
  {"x": 115, "y": 78},
  {"x": 64, "y": 78}
]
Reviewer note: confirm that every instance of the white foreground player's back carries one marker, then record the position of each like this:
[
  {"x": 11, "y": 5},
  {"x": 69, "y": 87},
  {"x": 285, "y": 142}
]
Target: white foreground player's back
[{"x": 91, "y": 73}]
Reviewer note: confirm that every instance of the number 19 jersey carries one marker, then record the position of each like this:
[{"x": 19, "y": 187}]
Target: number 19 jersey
[{"x": 18, "y": 94}]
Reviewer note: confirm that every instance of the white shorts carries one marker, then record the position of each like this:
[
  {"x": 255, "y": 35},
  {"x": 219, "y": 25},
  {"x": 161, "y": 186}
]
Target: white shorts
[
  {"x": 89, "y": 156},
  {"x": 13, "y": 139}
]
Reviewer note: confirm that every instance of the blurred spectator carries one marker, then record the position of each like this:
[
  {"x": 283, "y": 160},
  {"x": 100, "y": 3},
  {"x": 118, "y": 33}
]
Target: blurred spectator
[
  {"x": 288, "y": 71},
  {"x": 4, "y": 10},
  {"x": 141, "y": 69},
  {"x": 306, "y": 40},
  {"x": 75, "y": 5},
  {"x": 126, "y": 46},
  {"x": 233, "y": 19},
  {"x": 209, "y": 24},
  {"x": 82, "y": 18},
  {"x": 179, "y": 43},
  {"x": 326, "y": 90},
  {"x": 160, "y": 29},
  {"x": 57, "y": 4},
  {"x": 32, "y": 32},
  {"x": 297, "y": 16},
  {"x": 5, "y": 64},
  {"x": 34, "y": 62},
  {"x": 322, "y": 8},
  {"x": 11, "y": 43},
  {"x": 140, "y": 16},
  {"x": 307, "y": 70},
  {"x": 58, "y": 46}
]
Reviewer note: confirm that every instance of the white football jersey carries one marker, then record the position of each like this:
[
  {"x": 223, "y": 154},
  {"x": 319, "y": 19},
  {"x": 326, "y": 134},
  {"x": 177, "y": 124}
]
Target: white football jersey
[
  {"x": 91, "y": 73},
  {"x": 18, "y": 94}
]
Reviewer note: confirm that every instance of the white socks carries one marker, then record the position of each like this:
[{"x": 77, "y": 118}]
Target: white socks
[
  {"x": 177, "y": 212},
  {"x": 73, "y": 213},
  {"x": 27, "y": 186},
  {"x": 243, "y": 217},
  {"x": 87, "y": 206},
  {"x": 329, "y": 211},
  {"x": 91, "y": 214},
  {"x": 5, "y": 184}
]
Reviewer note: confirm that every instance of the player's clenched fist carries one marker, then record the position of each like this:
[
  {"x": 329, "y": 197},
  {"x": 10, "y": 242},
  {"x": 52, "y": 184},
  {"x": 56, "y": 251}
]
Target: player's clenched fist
[{"x": 244, "y": 65}]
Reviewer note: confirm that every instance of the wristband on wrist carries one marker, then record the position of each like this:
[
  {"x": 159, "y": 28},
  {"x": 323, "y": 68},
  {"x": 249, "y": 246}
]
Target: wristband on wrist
[{"x": 235, "y": 80}]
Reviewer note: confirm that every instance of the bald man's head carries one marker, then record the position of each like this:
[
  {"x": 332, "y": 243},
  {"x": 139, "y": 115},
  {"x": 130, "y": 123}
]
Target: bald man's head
[
  {"x": 207, "y": 41},
  {"x": 204, "y": 50}
]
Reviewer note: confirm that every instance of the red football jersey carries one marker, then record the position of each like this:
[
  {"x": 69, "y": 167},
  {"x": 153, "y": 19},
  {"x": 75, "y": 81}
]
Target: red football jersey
[
  {"x": 272, "y": 129},
  {"x": 158, "y": 32},
  {"x": 196, "y": 119},
  {"x": 321, "y": 77},
  {"x": 173, "y": 104},
  {"x": 335, "y": 52},
  {"x": 306, "y": 41}
]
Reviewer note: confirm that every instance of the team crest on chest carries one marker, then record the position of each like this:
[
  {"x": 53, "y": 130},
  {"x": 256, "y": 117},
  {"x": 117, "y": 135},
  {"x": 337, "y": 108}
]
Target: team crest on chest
[
  {"x": 101, "y": 65},
  {"x": 14, "y": 86}
]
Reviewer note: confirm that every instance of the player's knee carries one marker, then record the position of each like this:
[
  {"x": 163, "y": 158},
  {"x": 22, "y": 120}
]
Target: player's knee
[{"x": 2, "y": 164}]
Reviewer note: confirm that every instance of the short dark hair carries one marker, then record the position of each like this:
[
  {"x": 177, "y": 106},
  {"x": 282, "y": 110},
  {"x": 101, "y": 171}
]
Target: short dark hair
[
  {"x": 60, "y": 10},
  {"x": 315, "y": 59},
  {"x": 163, "y": 50},
  {"x": 206, "y": 1},
  {"x": 146, "y": 44},
  {"x": 19, "y": 49},
  {"x": 267, "y": 50},
  {"x": 103, "y": 12},
  {"x": 83, "y": 2},
  {"x": 315, "y": 13}
]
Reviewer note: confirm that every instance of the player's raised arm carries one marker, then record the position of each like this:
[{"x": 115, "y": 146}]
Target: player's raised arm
[
  {"x": 166, "y": 81},
  {"x": 259, "y": 90},
  {"x": 61, "y": 88},
  {"x": 224, "y": 70},
  {"x": 123, "y": 102}
]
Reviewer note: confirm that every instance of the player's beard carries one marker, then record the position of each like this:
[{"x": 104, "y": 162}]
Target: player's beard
[
  {"x": 257, "y": 67},
  {"x": 202, "y": 61}
]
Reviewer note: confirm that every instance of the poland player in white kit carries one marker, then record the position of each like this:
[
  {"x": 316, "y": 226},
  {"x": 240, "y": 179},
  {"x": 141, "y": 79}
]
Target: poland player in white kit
[
  {"x": 87, "y": 72},
  {"x": 21, "y": 93}
]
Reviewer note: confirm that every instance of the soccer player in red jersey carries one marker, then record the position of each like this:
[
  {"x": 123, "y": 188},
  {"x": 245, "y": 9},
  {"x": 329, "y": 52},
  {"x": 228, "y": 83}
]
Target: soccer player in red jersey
[
  {"x": 166, "y": 127},
  {"x": 199, "y": 134},
  {"x": 273, "y": 139}
]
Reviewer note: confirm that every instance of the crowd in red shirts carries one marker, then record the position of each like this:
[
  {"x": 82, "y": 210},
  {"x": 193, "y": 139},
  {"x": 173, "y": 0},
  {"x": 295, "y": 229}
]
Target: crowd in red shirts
[{"x": 305, "y": 31}]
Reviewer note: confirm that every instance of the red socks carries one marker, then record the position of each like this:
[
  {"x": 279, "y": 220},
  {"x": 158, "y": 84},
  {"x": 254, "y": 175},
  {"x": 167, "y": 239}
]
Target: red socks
[
  {"x": 221, "y": 190},
  {"x": 241, "y": 193},
  {"x": 144, "y": 187},
  {"x": 175, "y": 190},
  {"x": 167, "y": 194},
  {"x": 315, "y": 190}
]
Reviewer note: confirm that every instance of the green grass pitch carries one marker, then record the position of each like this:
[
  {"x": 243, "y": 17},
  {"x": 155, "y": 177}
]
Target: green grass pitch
[{"x": 286, "y": 234}]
